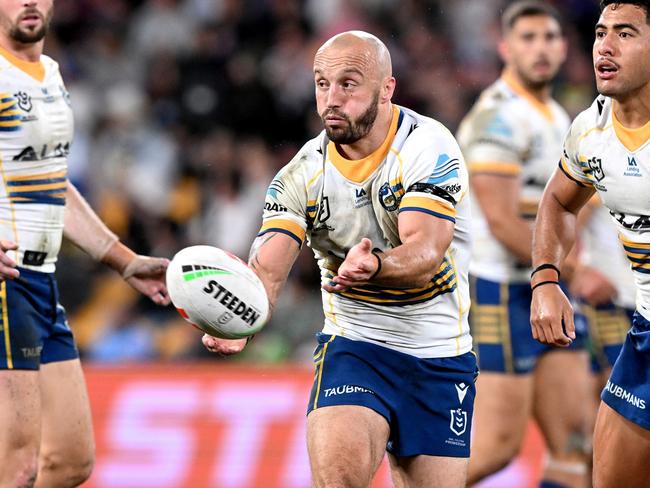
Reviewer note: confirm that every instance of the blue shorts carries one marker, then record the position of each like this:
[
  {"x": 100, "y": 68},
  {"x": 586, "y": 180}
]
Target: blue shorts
[
  {"x": 428, "y": 403},
  {"x": 500, "y": 325},
  {"x": 33, "y": 324},
  {"x": 628, "y": 388},
  {"x": 608, "y": 324}
]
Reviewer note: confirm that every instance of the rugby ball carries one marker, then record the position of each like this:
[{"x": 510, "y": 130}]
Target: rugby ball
[{"x": 217, "y": 292}]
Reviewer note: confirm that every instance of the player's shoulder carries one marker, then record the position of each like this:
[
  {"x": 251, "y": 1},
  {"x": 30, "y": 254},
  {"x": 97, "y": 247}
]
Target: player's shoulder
[
  {"x": 417, "y": 130},
  {"x": 597, "y": 116},
  {"x": 51, "y": 66},
  {"x": 307, "y": 161},
  {"x": 498, "y": 111},
  {"x": 499, "y": 98}
]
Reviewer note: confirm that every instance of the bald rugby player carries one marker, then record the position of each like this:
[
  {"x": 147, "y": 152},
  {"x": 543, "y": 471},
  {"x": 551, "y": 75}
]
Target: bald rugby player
[{"x": 381, "y": 198}]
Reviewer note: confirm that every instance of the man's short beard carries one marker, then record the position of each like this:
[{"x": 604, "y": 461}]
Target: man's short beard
[
  {"x": 33, "y": 36},
  {"x": 356, "y": 130}
]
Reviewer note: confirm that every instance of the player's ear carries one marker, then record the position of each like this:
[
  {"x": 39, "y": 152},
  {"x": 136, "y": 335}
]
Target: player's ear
[
  {"x": 565, "y": 48},
  {"x": 504, "y": 51},
  {"x": 387, "y": 89}
]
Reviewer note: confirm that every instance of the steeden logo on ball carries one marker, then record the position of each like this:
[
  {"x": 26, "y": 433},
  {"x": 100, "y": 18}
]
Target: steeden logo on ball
[{"x": 217, "y": 292}]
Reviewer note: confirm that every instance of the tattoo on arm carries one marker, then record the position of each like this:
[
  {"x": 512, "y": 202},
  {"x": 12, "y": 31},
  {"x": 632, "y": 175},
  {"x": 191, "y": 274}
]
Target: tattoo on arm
[{"x": 253, "y": 260}]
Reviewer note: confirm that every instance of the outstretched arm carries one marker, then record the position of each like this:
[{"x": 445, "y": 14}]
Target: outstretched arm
[
  {"x": 85, "y": 229},
  {"x": 551, "y": 313},
  {"x": 271, "y": 257},
  {"x": 412, "y": 264}
]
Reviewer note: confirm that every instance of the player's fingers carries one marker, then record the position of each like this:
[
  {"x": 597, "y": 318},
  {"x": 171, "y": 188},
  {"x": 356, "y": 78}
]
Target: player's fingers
[
  {"x": 8, "y": 272},
  {"x": 8, "y": 245},
  {"x": 533, "y": 330},
  {"x": 546, "y": 330},
  {"x": 6, "y": 260},
  {"x": 558, "y": 337},
  {"x": 366, "y": 244},
  {"x": 332, "y": 287},
  {"x": 569, "y": 324}
]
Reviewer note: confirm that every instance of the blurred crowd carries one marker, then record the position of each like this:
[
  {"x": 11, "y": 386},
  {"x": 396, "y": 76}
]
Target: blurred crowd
[{"x": 185, "y": 109}]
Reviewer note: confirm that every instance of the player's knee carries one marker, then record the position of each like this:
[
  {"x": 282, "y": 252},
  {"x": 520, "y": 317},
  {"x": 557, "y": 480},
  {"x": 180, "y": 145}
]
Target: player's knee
[
  {"x": 490, "y": 459},
  {"x": 66, "y": 470},
  {"x": 575, "y": 448},
  {"x": 342, "y": 474},
  {"x": 341, "y": 478},
  {"x": 505, "y": 448},
  {"x": 25, "y": 469}
]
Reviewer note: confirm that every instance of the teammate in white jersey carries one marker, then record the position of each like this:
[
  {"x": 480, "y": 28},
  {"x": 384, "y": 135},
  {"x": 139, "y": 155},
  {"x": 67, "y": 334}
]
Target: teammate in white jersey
[
  {"x": 510, "y": 139},
  {"x": 46, "y": 437},
  {"x": 607, "y": 151},
  {"x": 603, "y": 285},
  {"x": 381, "y": 197}
]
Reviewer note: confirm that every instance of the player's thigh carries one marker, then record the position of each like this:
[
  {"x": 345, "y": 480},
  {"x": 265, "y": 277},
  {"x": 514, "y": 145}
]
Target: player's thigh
[
  {"x": 501, "y": 412},
  {"x": 345, "y": 439},
  {"x": 426, "y": 471},
  {"x": 67, "y": 435},
  {"x": 561, "y": 399},
  {"x": 621, "y": 451},
  {"x": 20, "y": 409}
]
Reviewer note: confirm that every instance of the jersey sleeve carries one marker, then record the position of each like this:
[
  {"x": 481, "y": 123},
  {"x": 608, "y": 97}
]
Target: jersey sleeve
[
  {"x": 436, "y": 178},
  {"x": 572, "y": 164},
  {"x": 285, "y": 205},
  {"x": 495, "y": 142}
]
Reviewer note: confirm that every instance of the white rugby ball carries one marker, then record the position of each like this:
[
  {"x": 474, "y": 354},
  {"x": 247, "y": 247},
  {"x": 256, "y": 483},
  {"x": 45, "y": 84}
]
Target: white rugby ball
[{"x": 217, "y": 292}]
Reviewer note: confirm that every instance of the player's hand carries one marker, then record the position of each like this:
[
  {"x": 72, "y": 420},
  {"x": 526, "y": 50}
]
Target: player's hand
[
  {"x": 8, "y": 269},
  {"x": 224, "y": 347},
  {"x": 592, "y": 286},
  {"x": 357, "y": 268},
  {"x": 147, "y": 275},
  {"x": 551, "y": 316}
]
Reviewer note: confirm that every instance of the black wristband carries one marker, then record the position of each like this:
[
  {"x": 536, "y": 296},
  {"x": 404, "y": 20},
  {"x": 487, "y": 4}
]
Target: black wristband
[
  {"x": 544, "y": 283},
  {"x": 375, "y": 252},
  {"x": 546, "y": 266}
]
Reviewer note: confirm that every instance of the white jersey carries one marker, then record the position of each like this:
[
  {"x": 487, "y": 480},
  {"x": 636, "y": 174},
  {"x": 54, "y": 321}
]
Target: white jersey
[
  {"x": 35, "y": 135},
  {"x": 333, "y": 203},
  {"x": 508, "y": 132},
  {"x": 601, "y": 249},
  {"x": 600, "y": 152}
]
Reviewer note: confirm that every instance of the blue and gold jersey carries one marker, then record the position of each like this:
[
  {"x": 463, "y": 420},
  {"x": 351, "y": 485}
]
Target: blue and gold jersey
[
  {"x": 35, "y": 135},
  {"x": 600, "y": 152},
  {"x": 509, "y": 132},
  {"x": 332, "y": 203},
  {"x": 600, "y": 248}
]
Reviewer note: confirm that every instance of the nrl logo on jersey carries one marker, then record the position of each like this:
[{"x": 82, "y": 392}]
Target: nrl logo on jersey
[
  {"x": 596, "y": 166},
  {"x": 387, "y": 198},
  {"x": 24, "y": 101}
]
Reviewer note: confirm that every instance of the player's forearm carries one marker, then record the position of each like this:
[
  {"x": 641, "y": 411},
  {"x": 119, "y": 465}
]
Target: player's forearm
[
  {"x": 271, "y": 258},
  {"x": 84, "y": 228},
  {"x": 410, "y": 265},
  {"x": 516, "y": 236},
  {"x": 554, "y": 234}
]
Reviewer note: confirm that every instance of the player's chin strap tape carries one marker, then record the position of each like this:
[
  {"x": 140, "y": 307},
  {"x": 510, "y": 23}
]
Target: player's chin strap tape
[{"x": 546, "y": 266}]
